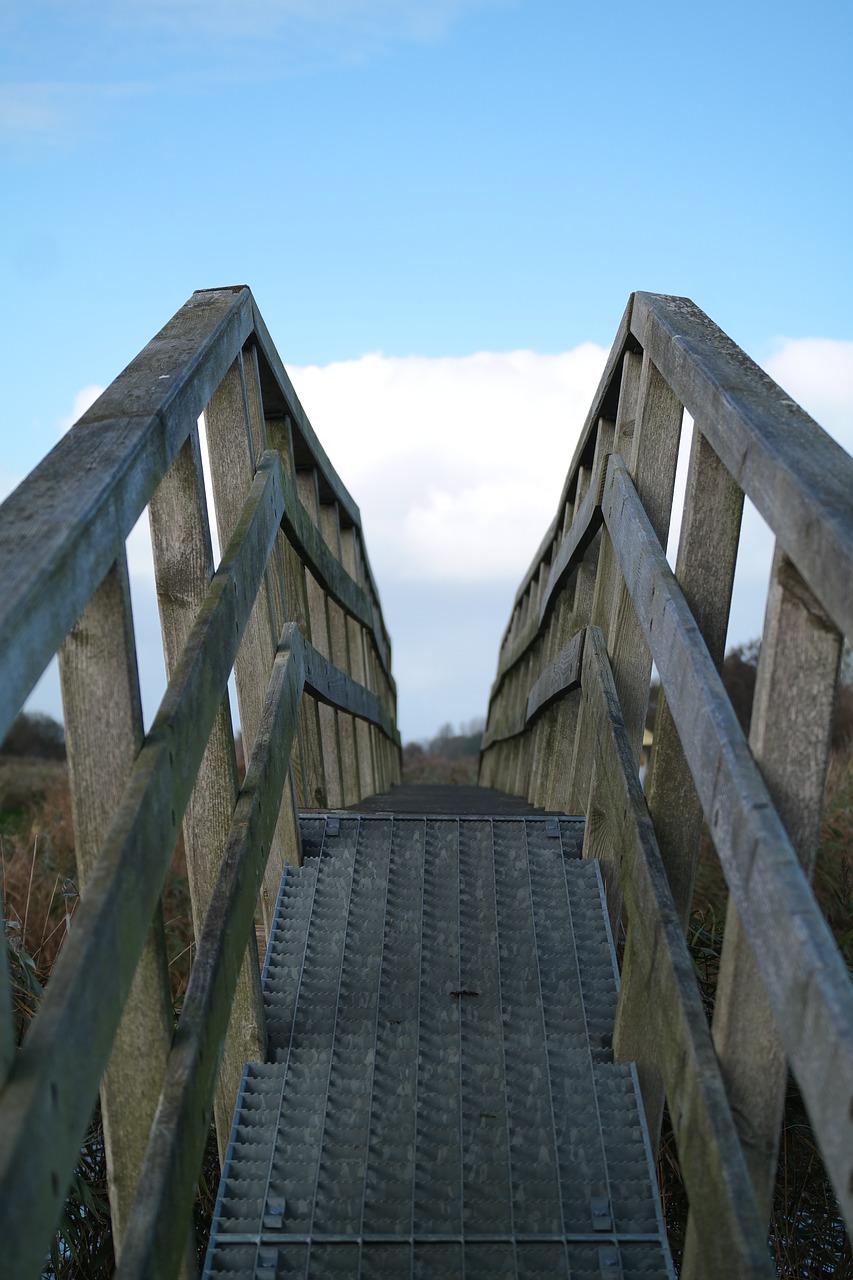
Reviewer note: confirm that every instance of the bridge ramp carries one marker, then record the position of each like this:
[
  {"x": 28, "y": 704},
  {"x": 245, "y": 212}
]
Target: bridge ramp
[{"x": 440, "y": 1099}]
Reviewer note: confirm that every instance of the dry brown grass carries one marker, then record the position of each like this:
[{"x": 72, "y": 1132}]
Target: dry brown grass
[{"x": 806, "y": 1234}]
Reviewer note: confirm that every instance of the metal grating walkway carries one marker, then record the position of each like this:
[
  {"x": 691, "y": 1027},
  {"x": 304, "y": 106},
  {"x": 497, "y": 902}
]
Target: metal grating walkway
[{"x": 440, "y": 1100}]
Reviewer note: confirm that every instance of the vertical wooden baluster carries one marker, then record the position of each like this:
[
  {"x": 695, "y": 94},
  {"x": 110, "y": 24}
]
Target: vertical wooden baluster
[
  {"x": 649, "y": 443},
  {"x": 790, "y": 737},
  {"x": 535, "y": 667},
  {"x": 650, "y": 438},
  {"x": 331, "y": 531},
  {"x": 571, "y": 785},
  {"x": 183, "y": 563},
  {"x": 372, "y": 673},
  {"x": 287, "y": 830},
  {"x": 705, "y": 568},
  {"x": 707, "y": 553},
  {"x": 543, "y": 735},
  {"x": 312, "y": 774},
  {"x": 306, "y": 481},
  {"x": 357, "y": 667},
  {"x": 231, "y": 451},
  {"x": 103, "y": 733}
]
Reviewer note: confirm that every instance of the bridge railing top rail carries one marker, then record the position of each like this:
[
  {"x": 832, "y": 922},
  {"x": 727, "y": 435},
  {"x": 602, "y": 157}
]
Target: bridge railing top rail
[
  {"x": 598, "y": 605},
  {"x": 292, "y": 610}
]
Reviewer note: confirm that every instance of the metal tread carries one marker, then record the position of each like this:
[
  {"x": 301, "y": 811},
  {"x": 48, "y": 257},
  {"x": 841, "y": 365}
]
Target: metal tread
[{"x": 441, "y": 1102}]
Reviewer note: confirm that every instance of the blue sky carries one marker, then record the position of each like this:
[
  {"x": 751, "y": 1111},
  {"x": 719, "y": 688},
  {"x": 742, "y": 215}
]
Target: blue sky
[{"x": 413, "y": 184}]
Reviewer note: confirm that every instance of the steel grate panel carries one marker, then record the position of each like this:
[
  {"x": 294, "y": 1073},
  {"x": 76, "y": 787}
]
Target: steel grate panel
[{"x": 440, "y": 994}]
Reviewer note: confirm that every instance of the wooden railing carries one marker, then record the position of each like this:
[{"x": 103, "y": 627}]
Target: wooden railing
[
  {"x": 293, "y": 610},
  {"x": 598, "y": 605}
]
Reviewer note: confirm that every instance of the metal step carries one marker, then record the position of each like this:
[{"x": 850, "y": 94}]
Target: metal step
[{"x": 441, "y": 1100}]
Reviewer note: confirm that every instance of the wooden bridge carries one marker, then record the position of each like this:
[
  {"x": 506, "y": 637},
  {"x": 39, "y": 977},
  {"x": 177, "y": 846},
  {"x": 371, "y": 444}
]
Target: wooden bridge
[{"x": 447, "y": 1076}]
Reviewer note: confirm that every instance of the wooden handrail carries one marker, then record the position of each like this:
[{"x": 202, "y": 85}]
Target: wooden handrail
[
  {"x": 60, "y": 533},
  {"x": 601, "y": 571}
]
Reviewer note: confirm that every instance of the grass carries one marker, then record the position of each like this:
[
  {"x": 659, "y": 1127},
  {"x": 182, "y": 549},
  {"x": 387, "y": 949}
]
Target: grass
[
  {"x": 40, "y": 894},
  {"x": 806, "y": 1235}
]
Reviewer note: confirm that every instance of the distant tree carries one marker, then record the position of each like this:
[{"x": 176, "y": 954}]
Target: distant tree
[{"x": 35, "y": 734}]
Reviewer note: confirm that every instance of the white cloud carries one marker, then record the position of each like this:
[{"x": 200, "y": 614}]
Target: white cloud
[
  {"x": 456, "y": 463},
  {"x": 818, "y": 374},
  {"x": 83, "y": 400}
]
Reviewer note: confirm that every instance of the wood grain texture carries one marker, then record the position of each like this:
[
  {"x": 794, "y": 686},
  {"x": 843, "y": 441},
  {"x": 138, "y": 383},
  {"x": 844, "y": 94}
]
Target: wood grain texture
[
  {"x": 798, "y": 477},
  {"x": 333, "y": 778},
  {"x": 48, "y": 1099},
  {"x": 66, "y": 523},
  {"x": 103, "y": 726},
  {"x": 724, "y": 1208},
  {"x": 801, "y": 969},
  {"x": 580, "y": 534},
  {"x": 170, "y": 1175},
  {"x": 562, "y": 675},
  {"x": 309, "y": 773},
  {"x": 232, "y": 463},
  {"x": 358, "y": 669},
  {"x": 790, "y": 740},
  {"x": 705, "y": 566},
  {"x": 183, "y": 566},
  {"x": 287, "y": 842},
  {"x": 314, "y": 553},
  {"x": 339, "y": 653}
]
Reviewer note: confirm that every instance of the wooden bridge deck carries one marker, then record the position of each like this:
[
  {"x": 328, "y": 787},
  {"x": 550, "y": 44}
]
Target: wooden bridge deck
[{"x": 440, "y": 1098}]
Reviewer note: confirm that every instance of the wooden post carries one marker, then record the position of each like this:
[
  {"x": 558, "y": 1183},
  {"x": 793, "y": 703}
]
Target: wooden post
[
  {"x": 358, "y": 670},
  {"x": 790, "y": 739},
  {"x": 331, "y": 531},
  {"x": 103, "y": 733},
  {"x": 707, "y": 552},
  {"x": 651, "y": 437},
  {"x": 311, "y": 773},
  {"x": 306, "y": 482},
  {"x": 183, "y": 563},
  {"x": 231, "y": 448},
  {"x": 576, "y": 781}
]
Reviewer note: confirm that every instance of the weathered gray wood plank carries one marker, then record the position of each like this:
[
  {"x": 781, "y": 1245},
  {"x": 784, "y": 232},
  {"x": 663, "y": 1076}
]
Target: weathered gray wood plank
[
  {"x": 309, "y": 772},
  {"x": 183, "y": 564},
  {"x": 103, "y": 729},
  {"x": 358, "y": 669},
  {"x": 724, "y": 1208},
  {"x": 705, "y": 566},
  {"x": 317, "y": 611},
  {"x": 66, "y": 523},
  {"x": 178, "y": 1138},
  {"x": 303, "y": 533},
  {"x": 48, "y": 1098},
  {"x": 707, "y": 552},
  {"x": 790, "y": 740},
  {"x": 805, "y": 979},
  {"x": 798, "y": 477},
  {"x": 334, "y": 687},
  {"x": 230, "y": 444}
]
